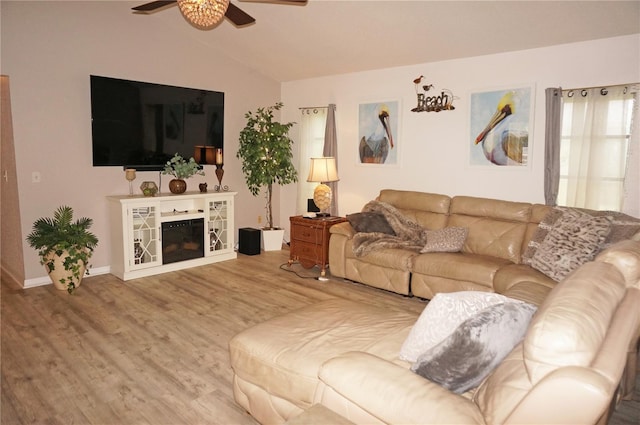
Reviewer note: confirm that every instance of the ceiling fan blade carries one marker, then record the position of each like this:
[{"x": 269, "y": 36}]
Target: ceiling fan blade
[
  {"x": 238, "y": 16},
  {"x": 149, "y": 7}
]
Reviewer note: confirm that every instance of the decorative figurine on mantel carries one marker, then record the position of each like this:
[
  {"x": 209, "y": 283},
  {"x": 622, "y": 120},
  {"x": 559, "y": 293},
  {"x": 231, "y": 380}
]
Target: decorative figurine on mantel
[
  {"x": 220, "y": 171},
  {"x": 130, "y": 175},
  {"x": 149, "y": 188}
]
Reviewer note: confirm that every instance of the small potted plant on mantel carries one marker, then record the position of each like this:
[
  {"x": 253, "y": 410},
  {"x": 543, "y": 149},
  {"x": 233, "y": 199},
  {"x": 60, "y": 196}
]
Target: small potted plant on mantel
[
  {"x": 181, "y": 169},
  {"x": 64, "y": 247},
  {"x": 265, "y": 151}
]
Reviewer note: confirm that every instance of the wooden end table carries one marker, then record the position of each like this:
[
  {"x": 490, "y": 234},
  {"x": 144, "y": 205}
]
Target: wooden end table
[{"x": 310, "y": 241}]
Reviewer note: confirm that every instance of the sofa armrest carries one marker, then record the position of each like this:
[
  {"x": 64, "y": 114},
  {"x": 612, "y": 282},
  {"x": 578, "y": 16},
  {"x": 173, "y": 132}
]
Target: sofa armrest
[
  {"x": 339, "y": 244},
  {"x": 344, "y": 229},
  {"x": 394, "y": 394}
]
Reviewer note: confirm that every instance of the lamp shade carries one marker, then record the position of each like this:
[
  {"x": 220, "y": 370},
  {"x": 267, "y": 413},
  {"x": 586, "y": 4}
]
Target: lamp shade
[{"x": 323, "y": 170}]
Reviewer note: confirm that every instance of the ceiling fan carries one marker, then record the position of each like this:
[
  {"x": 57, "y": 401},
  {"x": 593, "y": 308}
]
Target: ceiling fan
[{"x": 206, "y": 13}]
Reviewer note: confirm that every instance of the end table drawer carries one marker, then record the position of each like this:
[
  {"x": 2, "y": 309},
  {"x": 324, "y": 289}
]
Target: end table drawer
[
  {"x": 308, "y": 251},
  {"x": 304, "y": 233}
]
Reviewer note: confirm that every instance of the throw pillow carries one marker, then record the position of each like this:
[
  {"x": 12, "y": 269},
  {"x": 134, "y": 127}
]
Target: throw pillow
[
  {"x": 623, "y": 226},
  {"x": 449, "y": 239},
  {"x": 444, "y": 313},
  {"x": 464, "y": 359},
  {"x": 541, "y": 232},
  {"x": 370, "y": 222},
  {"x": 575, "y": 238}
]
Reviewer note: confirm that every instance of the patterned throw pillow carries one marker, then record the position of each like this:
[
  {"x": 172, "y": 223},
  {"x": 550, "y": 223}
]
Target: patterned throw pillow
[
  {"x": 444, "y": 313},
  {"x": 623, "y": 227},
  {"x": 575, "y": 238},
  {"x": 541, "y": 232},
  {"x": 449, "y": 239},
  {"x": 464, "y": 359}
]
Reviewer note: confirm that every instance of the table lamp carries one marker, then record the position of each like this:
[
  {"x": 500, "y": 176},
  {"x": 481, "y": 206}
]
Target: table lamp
[{"x": 323, "y": 170}]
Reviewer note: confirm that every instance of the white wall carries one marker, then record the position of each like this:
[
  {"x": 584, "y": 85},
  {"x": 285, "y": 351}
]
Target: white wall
[
  {"x": 434, "y": 147},
  {"x": 49, "y": 49}
]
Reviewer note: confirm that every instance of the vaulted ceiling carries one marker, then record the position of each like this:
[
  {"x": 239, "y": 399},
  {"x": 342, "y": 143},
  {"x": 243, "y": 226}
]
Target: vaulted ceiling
[{"x": 326, "y": 37}]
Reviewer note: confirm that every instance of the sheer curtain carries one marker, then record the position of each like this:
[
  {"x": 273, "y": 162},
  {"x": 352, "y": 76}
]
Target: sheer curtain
[
  {"x": 595, "y": 148},
  {"x": 312, "y": 133}
]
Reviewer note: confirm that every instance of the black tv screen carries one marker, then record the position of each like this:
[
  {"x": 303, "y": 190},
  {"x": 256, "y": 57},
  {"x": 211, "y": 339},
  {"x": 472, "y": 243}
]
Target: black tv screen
[{"x": 142, "y": 125}]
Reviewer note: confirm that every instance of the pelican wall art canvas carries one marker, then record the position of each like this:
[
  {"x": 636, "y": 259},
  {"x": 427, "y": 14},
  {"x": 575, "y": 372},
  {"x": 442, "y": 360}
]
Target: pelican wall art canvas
[
  {"x": 500, "y": 126},
  {"x": 377, "y": 133}
]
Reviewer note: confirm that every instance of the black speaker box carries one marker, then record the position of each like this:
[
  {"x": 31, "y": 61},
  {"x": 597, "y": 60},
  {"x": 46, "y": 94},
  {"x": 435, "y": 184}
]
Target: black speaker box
[
  {"x": 249, "y": 241},
  {"x": 311, "y": 206}
]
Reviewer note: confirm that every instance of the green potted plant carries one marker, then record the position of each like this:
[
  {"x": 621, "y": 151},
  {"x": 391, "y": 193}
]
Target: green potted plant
[
  {"x": 64, "y": 247},
  {"x": 265, "y": 152},
  {"x": 181, "y": 169}
]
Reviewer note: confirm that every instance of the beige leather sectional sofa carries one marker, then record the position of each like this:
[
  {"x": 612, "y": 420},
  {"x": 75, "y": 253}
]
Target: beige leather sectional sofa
[
  {"x": 490, "y": 260},
  {"x": 578, "y": 350},
  {"x": 345, "y": 356}
]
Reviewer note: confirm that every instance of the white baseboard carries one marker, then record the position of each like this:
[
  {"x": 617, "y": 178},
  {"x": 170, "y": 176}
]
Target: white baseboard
[{"x": 44, "y": 280}]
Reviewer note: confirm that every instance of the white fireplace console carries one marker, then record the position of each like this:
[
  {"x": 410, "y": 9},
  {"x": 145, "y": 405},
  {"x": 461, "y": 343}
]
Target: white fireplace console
[{"x": 136, "y": 231}]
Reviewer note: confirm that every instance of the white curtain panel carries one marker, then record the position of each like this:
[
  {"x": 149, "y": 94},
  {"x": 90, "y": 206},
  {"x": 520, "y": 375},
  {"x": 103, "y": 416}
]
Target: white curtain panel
[
  {"x": 631, "y": 202},
  {"x": 596, "y": 124}
]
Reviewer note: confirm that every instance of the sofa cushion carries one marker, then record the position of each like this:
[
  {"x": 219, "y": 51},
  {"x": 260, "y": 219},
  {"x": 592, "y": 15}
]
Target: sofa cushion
[
  {"x": 512, "y": 274},
  {"x": 283, "y": 355},
  {"x": 444, "y": 313},
  {"x": 625, "y": 256},
  {"x": 574, "y": 239},
  {"x": 449, "y": 239},
  {"x": 464, "y": 267},
  {"x": 465, "y": 358},
  {"x": 573, "y": 321},
  {"x": 370, "y": 222}
]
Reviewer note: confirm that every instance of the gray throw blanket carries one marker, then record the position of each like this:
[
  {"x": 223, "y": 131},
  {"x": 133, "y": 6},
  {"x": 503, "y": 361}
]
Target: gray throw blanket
[{"x": 409, "y": 233}]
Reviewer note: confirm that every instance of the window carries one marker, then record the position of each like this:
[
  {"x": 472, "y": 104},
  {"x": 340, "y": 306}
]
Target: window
[
  {"x": 594, "y": 147},
  {"x": 312, "y": 129}
]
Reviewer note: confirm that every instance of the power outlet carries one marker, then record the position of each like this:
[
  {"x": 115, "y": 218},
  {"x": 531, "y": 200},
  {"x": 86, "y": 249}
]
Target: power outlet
[
  {"x": 259, "y": 219},
  {"x": 35, "y": 177}
]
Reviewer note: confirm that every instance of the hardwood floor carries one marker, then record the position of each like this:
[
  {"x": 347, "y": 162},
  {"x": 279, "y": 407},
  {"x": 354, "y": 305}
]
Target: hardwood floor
[{"x": 151, "y": 350}]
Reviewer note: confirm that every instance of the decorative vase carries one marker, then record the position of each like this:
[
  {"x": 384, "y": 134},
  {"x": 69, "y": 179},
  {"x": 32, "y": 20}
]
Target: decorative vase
[
  {"x": 272, "y": 239},
  {"x": 177, "y": 186},
  {"x": 59, "y": 273},
  {"x": 149, "y": 188}
]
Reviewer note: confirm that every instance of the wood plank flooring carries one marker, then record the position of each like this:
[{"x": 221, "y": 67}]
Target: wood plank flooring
[{"x": 151, "y": 350}]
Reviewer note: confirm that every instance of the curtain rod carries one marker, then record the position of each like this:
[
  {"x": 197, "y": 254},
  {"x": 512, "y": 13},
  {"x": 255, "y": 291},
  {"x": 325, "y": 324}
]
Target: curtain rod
[
  {"x": 604, "y": 86},
  {"x": 313, "y": 107}
]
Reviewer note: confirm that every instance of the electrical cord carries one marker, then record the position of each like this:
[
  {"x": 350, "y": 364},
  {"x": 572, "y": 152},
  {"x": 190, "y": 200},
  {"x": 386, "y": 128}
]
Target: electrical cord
[{"x": 286, "y": 267}]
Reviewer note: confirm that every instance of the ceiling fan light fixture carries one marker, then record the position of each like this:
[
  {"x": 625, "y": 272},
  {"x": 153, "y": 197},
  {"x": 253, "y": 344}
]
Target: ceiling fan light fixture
[{"x": 203, "y": 13}]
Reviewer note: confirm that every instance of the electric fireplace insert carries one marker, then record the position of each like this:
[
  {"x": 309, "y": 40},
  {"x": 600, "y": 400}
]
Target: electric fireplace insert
[{"x": 182, "y": 240}]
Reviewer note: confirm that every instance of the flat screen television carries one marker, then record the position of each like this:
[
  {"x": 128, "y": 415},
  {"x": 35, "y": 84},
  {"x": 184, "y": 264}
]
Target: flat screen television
[{"x": 142, "y": 125}]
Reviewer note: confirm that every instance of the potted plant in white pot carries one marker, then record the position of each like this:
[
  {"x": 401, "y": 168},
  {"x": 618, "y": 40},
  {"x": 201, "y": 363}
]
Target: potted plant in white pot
[
  {"x": 64, "y": 247},
  {"x": 265, "y": 152},
  {"x": 181, "y": 169}
]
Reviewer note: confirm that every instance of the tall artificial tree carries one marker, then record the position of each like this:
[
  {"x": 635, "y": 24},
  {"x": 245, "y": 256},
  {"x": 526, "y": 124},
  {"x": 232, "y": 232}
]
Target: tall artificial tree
[{"x": 265, "y": 151}]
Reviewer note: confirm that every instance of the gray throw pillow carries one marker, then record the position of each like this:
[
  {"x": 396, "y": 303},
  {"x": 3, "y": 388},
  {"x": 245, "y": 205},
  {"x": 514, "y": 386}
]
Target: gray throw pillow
[
  {"x": 370, "y": 222},
  {"x": 465, "y": 358}
]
